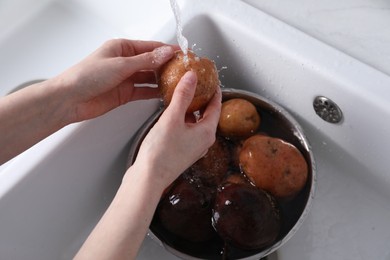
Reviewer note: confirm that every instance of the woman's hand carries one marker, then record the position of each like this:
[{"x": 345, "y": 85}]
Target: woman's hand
[
  {"x": 106, "y": 78},
  {"x": 99, "y": 83},
  {"x": 170, "y": 147},
  {"x": 174, "y": 143}
]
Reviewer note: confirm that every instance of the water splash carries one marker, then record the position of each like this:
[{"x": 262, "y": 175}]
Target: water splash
[
  {"x": 223, "y": 68},
  {"x": 193, "y": 48},
  {"x": 181, "y": 40}
]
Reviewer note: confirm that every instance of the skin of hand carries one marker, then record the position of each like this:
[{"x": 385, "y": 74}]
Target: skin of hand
[
  {"x": 105, "y": 79},
  {"x": 96, "y": 85},
  {"x": 171, "y": 146},
  {"x": 177, "y": 139},
  {"x": 101, "y": 82}
]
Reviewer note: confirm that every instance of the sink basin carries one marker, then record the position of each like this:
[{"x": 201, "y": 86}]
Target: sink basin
[{"x": 53, "y": 194}]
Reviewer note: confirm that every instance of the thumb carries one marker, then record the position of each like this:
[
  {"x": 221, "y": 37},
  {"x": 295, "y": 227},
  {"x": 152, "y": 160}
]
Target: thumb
[{"x": 184, "y": 93}]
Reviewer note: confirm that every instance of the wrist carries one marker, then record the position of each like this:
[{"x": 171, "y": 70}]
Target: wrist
[
  {"x": 30, "y": 115},
  {"x": 60, "y": 100},
  {"x": 146, "y": 175}
]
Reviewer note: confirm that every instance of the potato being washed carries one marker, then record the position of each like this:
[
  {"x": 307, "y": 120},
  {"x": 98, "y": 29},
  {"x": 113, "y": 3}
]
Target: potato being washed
[{"x": 174, "y": 69}]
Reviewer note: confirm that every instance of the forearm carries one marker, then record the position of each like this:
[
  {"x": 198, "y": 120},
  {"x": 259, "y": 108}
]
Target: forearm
[
  {"x": 120, "y": 232},
  {"x": 28, "y": 116},
  {"x": 99, "y": 83}
]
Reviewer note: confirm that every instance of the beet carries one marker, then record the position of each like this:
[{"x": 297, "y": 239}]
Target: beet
[
  {"x": 186, "y": 211},
  {"x": 245, "y": 216}
]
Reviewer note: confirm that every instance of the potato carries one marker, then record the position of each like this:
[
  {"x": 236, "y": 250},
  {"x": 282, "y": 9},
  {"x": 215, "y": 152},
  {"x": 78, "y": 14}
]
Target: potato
[
  {"x": 174, "y": 69},
  {"x": 274, "y": 165},
  {"x": 239, "y": 118}
]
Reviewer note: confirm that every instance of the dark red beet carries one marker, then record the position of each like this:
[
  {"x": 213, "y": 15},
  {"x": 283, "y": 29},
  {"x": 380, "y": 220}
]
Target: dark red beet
[
  {"x": 245, "y": 216},
  {"x": 186, "y": 211}
]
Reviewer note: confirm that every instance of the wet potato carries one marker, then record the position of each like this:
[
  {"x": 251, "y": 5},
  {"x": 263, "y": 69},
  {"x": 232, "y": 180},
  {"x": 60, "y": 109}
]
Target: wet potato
[
  {"x": 174, "y": 69},
  {"x": 239, "y": 118},
  {"x": 274, "y": 165}
]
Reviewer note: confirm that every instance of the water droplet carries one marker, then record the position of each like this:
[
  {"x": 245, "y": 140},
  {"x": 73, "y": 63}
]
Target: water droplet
[{"x": 222, "y": 68}]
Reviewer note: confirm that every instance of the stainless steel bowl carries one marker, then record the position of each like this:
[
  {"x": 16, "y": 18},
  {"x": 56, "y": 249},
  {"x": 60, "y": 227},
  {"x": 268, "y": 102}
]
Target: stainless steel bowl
[{"x": 277, "y": 122}]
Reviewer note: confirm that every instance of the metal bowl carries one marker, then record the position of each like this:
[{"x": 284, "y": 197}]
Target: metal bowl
[{"x": 276, "y": 122}]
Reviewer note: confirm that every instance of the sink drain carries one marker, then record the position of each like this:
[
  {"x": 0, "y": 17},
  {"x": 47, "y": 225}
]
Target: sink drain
[{"x": 327, "y": 109}]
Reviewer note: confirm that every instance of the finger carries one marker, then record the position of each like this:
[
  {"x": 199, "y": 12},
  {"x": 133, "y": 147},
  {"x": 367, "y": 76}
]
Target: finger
[
  {"x": 213, "y": 109},
  {"x": 131, "y": 48},
  {"x": 204, "y": 153},
  {"x": 127, "y": 48},
  {"x": 183, "y": 94}
]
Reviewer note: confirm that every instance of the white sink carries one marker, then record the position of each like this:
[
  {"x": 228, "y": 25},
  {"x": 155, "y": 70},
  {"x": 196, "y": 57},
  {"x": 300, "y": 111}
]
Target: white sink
[{"x": 52, "y": 195}]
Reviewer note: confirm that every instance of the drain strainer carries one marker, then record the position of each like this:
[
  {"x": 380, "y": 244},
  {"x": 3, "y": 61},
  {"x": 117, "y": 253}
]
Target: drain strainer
[{"x": 327, "y": 109}]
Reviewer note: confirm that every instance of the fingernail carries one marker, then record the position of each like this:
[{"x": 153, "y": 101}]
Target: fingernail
[{"x": 162, "y": 53}]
